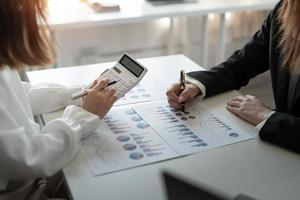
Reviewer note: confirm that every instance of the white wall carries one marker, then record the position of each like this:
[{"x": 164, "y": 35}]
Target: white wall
[{"x": 107, "y": 43}]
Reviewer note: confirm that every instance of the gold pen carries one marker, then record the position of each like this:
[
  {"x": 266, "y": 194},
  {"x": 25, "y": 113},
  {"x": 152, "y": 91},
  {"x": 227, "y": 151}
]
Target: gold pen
[{"x": 182, "y": 87}]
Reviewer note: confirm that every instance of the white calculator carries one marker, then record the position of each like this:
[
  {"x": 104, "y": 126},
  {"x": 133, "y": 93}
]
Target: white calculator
[{"x": 127, "y": 73}]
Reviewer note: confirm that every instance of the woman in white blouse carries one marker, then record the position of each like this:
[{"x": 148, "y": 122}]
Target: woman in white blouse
[{"x": 27, "y": 151}]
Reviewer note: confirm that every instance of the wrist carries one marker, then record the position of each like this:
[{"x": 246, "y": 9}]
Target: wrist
[
  {"x": 196, "y": 90},
  {"x": 264, "y": 115}
]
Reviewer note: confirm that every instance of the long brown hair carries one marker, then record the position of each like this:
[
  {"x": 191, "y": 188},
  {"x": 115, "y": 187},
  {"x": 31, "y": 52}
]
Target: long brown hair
[
  {"x": 24, "y": 37},
  {"x": 289, "y": 18}
]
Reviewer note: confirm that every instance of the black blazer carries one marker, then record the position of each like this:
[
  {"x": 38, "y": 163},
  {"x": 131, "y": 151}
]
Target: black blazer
[{"x": 257, "y": 56}]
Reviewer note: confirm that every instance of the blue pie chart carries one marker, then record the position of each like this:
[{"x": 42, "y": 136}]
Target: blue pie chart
[
  {"x": 123, "y": 138},
  {"x": 136, "y": 119},
  {"x": 129, "y": 147},
  {"x": 130, "y": 112},
  {"x": 142, "y": 125},
  {"x": 234, "y": 135},
  {"x": 136, "y": 156}
]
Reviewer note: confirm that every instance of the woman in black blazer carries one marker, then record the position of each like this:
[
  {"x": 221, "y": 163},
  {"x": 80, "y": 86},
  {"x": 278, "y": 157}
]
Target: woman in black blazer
[{"x": 275, "y": 47}]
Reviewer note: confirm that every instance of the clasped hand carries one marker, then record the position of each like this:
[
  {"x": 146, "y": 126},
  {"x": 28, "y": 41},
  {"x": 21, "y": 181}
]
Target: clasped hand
[{"x": 247, "y": 107}]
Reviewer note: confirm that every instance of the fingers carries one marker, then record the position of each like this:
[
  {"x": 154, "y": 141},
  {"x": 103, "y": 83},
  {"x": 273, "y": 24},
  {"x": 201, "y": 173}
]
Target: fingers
[
  {"x": 188, "y": 94},
  {"x": 234, "y": 110},
  {"x": 236, "y": 104},
  {"x": 174, "y": 104},
  {"x": 110, "y": 92},
  {"x": 93, "y": 84},
  {"x": 239, "y": 98},
  {"x": 101, "y": 85},
  {"x": 113, "y": 98},
  {"x": 243, "y": 98},
  {"x": 173, "y": 93},
  {"x": 176, "y": 97},
  {"x": 250, "y": 96}
]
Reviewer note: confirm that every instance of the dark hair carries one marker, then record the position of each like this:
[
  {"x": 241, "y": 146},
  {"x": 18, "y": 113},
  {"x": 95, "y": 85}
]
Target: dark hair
[
  {"x": 289, "y": 17},
  {"x": 24, "y": 34}
]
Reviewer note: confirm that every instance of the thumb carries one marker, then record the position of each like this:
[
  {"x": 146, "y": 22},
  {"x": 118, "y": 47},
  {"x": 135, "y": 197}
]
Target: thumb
[
  {"x": 93, "y": 84},
  {"x": 101, "y": 85},
  {"x": 189, "y": 93},
  {"x": 185, "y": 95}
]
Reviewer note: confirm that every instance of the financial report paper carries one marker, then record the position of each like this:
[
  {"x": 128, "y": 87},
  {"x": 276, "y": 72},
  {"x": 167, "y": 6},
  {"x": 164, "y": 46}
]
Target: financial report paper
[{"x": 145, "y": 133}]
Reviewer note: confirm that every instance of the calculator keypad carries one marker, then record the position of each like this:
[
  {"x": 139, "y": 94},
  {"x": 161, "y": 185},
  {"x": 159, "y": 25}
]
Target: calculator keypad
[{"x": 122, "y": 87}]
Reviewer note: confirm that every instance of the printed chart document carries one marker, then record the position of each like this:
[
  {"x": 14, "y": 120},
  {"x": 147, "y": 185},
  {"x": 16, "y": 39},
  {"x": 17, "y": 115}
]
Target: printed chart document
[
  {"x": 124, "y": 140},
  {"x": 144, "y": 91},
  {"x": 153, "y": 131},
  {"x": 147, "y": 90},
  {"x": 193, "y": 131}
]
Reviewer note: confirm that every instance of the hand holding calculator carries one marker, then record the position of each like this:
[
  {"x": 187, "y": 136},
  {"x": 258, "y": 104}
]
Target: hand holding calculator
[{"x": 125, "y": 75}]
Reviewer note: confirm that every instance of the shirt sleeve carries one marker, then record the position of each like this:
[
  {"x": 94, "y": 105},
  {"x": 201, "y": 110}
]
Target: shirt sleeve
[
  {"x": 49, "y": 97},
  {"x": 202, "y": 87},
  {"x": 27, "y": 154},
  {"x": 261, "y": 124}
]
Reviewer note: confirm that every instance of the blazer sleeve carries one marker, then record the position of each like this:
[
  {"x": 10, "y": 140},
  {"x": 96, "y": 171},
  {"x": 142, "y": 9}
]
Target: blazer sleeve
[
  {"x": 282, "y": 129},
  {"x": 243, "y": 65}
]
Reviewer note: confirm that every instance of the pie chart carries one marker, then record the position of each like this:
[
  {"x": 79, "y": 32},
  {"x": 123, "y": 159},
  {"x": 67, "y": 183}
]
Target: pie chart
[
  {"x": 129, "y": 147},
  {"x": 136, "y": 156},
  {"x": 123, "y": 138}
]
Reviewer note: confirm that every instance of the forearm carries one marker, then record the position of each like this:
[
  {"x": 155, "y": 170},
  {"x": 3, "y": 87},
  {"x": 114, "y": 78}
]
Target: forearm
[
  {"x": 26, "y": 155},
  {"x": 48, "y": 97},
  {"x": 244, "y": 64}
]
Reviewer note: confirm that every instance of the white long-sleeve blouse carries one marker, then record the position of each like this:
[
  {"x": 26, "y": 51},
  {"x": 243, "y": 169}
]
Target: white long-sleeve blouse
[{"x": 28, "y": 151}]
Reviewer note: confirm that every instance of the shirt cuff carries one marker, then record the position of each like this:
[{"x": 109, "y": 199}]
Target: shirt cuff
[
  {"x": 68, "y": 96},
  {"x": 86, "y": 121},
  {"x": 202, "y": 88},
  {"x": 259, "y": 126}
]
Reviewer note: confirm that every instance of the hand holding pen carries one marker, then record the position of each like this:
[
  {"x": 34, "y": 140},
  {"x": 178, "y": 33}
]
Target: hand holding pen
[
  {"x": 179, "y": 93},
  {"x": 83, "y": 93},
  {"x": 99, "y": 98}
]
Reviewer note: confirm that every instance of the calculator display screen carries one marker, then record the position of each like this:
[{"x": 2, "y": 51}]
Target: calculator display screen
[{"x": 131, "y": 65}]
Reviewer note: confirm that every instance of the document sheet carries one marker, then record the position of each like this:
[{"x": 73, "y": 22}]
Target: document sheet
[{"x": 153, "y": 131}]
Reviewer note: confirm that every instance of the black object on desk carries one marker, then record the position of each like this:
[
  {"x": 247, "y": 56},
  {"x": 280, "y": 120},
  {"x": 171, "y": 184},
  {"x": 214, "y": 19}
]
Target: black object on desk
[{"x": 178, "y": 189}]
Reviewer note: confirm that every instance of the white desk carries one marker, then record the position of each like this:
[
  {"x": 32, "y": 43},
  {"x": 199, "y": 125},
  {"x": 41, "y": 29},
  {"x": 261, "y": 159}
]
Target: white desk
[
  {"x": 255, "y": 168},
  {"x": 71, "y": 14}
]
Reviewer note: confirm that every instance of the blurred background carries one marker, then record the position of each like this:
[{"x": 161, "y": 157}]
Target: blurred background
[{"x": 86, "y": 35}]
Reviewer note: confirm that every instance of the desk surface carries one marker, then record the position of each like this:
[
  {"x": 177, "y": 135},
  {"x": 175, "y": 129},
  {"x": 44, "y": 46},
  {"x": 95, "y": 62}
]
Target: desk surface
[
  {"x": 72, "y": 14},
  {"x": 255, "y": 168}
]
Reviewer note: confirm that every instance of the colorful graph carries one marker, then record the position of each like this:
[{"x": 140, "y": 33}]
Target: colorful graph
[
  {"x": 129, "y": 147},
  {"x": 136, "y": 156},
  {"x": 138, "y": 94},
  {"x": 153, "y": 132},
  {"x": 123, "y": 138},
  {"x": 190, "y": 131},
  {"x": 142, "y": 125}
]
